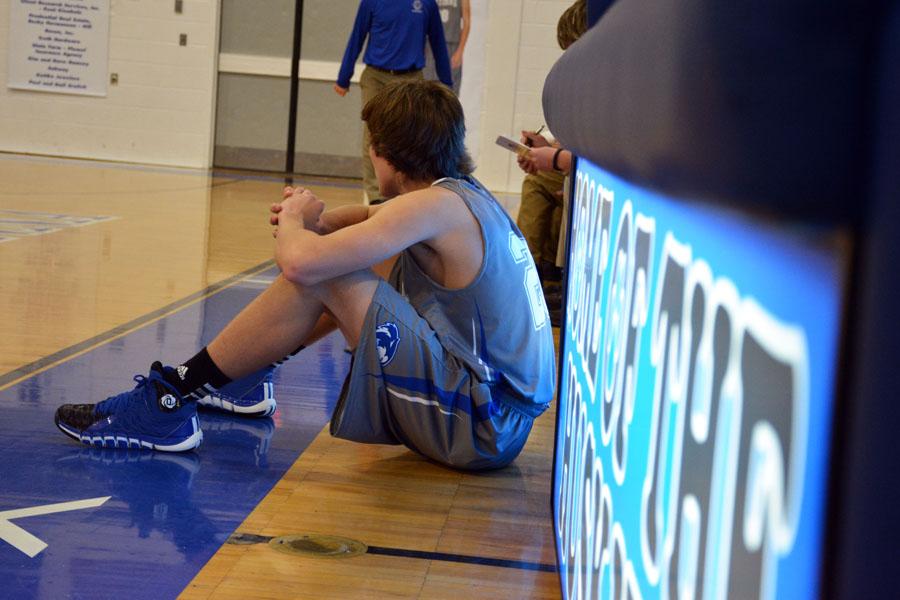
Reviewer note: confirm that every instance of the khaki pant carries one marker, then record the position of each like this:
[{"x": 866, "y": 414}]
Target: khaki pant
[
  {"x": 540, "y": 214},
  {"x": 371, "y": 82}
]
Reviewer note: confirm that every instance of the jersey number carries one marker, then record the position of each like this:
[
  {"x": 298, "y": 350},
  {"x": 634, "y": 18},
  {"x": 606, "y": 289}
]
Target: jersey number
[{"x": 533, "y": 290}]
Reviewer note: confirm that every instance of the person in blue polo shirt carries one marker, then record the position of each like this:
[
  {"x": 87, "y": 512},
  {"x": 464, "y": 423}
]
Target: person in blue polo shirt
[{"x": 397, "y": 31}]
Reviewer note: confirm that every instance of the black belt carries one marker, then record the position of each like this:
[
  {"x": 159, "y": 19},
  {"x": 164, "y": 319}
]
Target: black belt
[{"x": 395, "y": 71}]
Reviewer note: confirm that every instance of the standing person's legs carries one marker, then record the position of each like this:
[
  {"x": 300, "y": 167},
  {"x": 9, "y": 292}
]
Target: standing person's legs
[
  {"x": 535, "y": 218},
  {"x": 369, "y": 85},
  {"x": 552, "y": 246},
  {"x": 563, "y": 224},
  {"x": 551, "y": 275},
  {"x": 371, "y": 82},
  {"x": 456, "y": 73}
]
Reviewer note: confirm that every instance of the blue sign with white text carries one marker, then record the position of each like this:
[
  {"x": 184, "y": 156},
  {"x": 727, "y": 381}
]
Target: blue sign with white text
[{"x": 697, "y": 390}]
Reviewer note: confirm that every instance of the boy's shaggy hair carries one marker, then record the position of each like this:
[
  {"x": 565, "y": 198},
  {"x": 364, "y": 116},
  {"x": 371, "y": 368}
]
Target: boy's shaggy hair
[{"x": 419, "y": 128}]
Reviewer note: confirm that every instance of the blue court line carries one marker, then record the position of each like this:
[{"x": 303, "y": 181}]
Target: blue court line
[
  {"x": 464, "y": 558},
  {"x": 250, "y": 538},
  {"x": 167, "y": 514}
]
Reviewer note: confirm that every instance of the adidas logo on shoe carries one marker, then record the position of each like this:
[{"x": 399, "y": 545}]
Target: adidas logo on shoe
[{"x": 182, "y": 372}]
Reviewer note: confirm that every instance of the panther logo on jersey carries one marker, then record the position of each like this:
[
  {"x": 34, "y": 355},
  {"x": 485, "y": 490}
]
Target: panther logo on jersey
[{"x": 387, "y": 338}]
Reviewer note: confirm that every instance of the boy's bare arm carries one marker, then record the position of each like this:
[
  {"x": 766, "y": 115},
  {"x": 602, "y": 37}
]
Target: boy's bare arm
[
  {"x": 342, "y": 216},
  {"x": 308, "y": 258},
  {"x": 345, "y": 216},
  {"x": 330, "y": 220}
]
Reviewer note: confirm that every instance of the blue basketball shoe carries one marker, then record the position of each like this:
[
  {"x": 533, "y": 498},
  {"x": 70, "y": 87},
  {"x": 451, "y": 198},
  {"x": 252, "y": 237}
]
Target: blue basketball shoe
[
  {"x": 153, "y": 415},
  {"x": 250, "y": 396}
]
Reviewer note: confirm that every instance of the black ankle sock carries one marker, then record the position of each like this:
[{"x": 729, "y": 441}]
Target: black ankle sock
[
  {"x": 278, "y": 363},
  {"x": 198, "y": 376}
]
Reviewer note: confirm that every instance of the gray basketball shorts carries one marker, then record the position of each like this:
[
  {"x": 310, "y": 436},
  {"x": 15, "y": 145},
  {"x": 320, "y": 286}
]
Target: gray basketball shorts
[{"x": 405, "y": 388}]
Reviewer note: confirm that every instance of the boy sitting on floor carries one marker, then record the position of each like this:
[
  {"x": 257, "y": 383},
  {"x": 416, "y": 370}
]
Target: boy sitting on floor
[{"x": 453, "y": 353}]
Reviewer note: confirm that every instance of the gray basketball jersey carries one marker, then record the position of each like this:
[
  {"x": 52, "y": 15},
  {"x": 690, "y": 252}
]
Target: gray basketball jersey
[
  {"x": 451, "y": 18},
  {"x": 498, "y": 325}
]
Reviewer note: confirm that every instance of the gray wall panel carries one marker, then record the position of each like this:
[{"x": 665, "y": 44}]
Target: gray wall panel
[
  {"x": 326, "y": 27},
  {"x": 327, "y": 123},
  {"x": 253, "y": 115},
  {"x": 259, "y": 27},
  {"x": 252, "y": 111},
  {"x": 266, "y": 28}
]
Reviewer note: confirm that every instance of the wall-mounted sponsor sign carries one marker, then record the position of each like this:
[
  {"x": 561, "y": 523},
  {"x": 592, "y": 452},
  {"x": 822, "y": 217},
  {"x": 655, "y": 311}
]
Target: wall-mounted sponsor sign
[
  {"x": 695, "y": 407},
  {"x": 59, "y": 46}
]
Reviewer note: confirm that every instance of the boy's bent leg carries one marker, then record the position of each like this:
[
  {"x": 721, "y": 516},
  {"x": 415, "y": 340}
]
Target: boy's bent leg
[
  {"x": 287, "y": 314},
  {"x": 272, "y": 326},
  {"x": 254, "y": 394},
  {"x": 160, "y": 414},
  {"x": 347, "y": 299}
]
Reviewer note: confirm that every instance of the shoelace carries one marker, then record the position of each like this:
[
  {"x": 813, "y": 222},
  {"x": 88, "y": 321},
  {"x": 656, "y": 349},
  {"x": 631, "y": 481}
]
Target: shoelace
[{"x": 114, "y": 403}]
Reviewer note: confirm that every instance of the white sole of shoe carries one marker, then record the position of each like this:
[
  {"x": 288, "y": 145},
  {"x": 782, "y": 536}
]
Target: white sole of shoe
[
  {"x": 264, "y": 408},
  {"x": 130, "y": 443}
]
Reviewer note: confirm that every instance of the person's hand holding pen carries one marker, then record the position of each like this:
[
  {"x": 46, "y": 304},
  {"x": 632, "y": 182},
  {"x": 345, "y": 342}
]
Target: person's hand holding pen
[{"x": 534, "y": 139}]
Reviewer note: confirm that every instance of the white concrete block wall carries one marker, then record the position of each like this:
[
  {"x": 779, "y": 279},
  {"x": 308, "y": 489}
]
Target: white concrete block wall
[
  {"x": 161, "y": 111},
  {"x": 521, "y": 48},
  {"x": 501, "y": 57}
]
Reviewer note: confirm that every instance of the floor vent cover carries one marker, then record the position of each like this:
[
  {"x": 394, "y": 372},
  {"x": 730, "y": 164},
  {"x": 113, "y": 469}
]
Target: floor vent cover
[{"x": 320, "y": 546}]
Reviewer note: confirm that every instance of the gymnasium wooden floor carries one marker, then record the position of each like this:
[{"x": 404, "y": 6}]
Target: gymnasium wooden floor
[{"x": 104, "y": 268}]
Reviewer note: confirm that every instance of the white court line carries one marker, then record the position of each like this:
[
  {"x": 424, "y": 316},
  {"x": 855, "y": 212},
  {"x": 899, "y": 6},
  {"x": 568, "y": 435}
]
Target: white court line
[{"x": 28, "y": 543}]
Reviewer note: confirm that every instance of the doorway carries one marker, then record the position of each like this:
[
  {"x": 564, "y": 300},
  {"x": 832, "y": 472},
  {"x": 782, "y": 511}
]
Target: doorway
[{"x": 254, "y": 91}]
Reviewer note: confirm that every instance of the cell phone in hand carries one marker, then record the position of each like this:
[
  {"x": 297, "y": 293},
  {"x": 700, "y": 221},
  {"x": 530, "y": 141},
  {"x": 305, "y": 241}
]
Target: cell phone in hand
[{"x": 512, "y": 145}]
